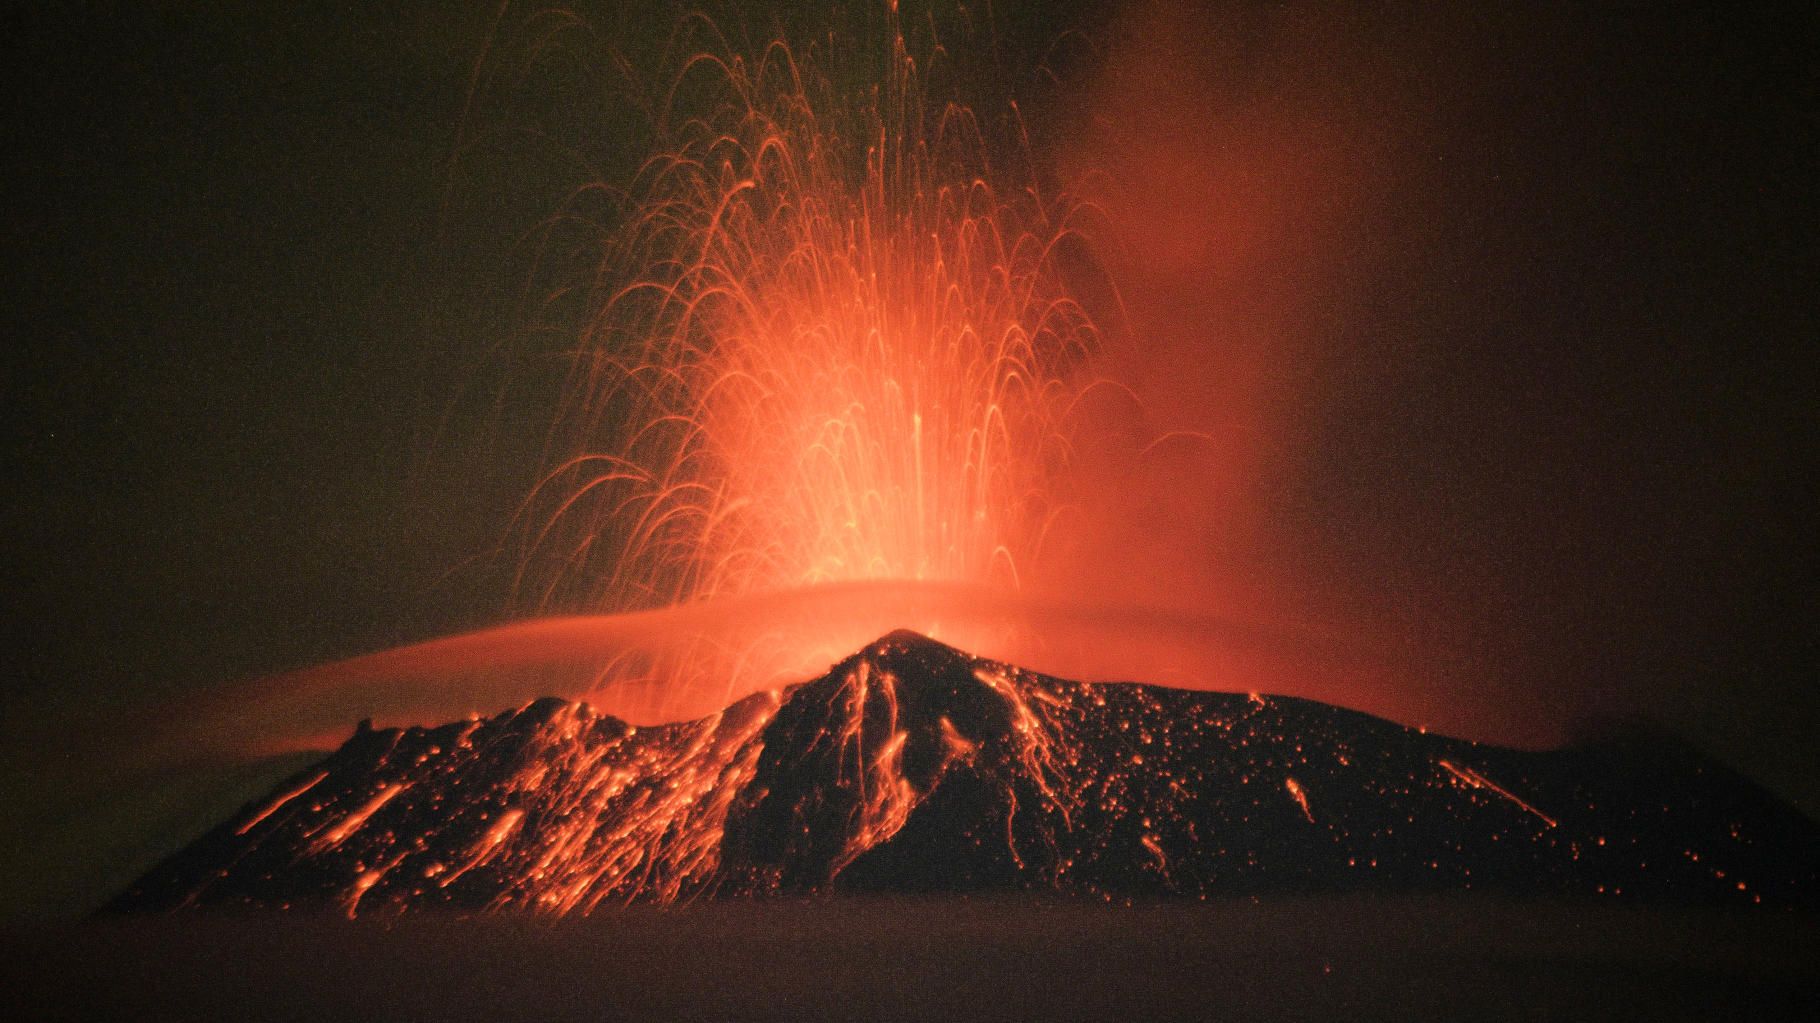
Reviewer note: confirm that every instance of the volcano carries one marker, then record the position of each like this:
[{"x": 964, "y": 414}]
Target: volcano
[{"x": 914, "y": 767}]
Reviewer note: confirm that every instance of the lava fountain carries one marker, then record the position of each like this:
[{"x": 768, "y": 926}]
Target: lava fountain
[
  {"x": 832, "y": 342},
  {"x": 828, "y": 375}
]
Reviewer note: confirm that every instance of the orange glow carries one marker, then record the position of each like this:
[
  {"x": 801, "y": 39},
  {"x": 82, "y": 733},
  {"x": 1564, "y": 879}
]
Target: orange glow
[
  {"x": 633, "y": 665},
  {"x": 832, "y": 343},
  {"x": 848, "y": 363}
]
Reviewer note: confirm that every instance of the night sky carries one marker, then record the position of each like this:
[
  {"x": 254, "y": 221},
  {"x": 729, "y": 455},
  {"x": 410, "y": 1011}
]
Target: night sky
[{"x": 1532, "y": 294}]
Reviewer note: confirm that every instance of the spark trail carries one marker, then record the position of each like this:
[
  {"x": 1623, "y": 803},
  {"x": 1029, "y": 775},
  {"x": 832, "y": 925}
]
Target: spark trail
[
  {"x": 1470, "y": 777},
  {"x": 831, "y": 341}
]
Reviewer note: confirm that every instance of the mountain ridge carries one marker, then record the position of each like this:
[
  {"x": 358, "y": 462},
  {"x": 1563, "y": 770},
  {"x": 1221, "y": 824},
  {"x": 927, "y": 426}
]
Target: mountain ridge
[{"x": 913, "y": 766}]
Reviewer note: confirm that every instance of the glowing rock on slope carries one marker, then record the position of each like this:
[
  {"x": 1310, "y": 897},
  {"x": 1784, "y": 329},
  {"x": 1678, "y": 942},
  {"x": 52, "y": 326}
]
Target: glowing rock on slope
[{"x": 911, "y": 766}]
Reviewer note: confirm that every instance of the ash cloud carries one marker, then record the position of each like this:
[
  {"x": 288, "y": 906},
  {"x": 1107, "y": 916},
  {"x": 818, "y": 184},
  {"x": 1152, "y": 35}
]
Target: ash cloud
[{"x": 1483, "y": 322}]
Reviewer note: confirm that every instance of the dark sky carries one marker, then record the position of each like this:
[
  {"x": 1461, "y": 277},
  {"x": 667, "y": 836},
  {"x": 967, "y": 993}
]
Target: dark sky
[{"x": 264, "y": 407}]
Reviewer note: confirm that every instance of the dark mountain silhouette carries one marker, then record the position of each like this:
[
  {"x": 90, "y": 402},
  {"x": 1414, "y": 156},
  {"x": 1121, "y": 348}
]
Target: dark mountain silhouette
[{"x": 912, "y": 766}]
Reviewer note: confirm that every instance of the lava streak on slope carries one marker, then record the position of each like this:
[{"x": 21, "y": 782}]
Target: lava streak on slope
[{"x": 911, "y": 766}]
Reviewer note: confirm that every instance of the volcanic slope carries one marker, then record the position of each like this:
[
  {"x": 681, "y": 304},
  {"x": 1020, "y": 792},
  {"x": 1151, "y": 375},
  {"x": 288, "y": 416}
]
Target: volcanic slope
[{"x": 912, "y": 766}]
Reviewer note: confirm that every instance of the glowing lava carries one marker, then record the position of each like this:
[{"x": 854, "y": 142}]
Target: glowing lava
[
  {"x": 831, "y": 341},
  {"x": 913, "y": 767},
  {"x": 829, "y": 376},
  {"x": 829, "y": 380}
]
